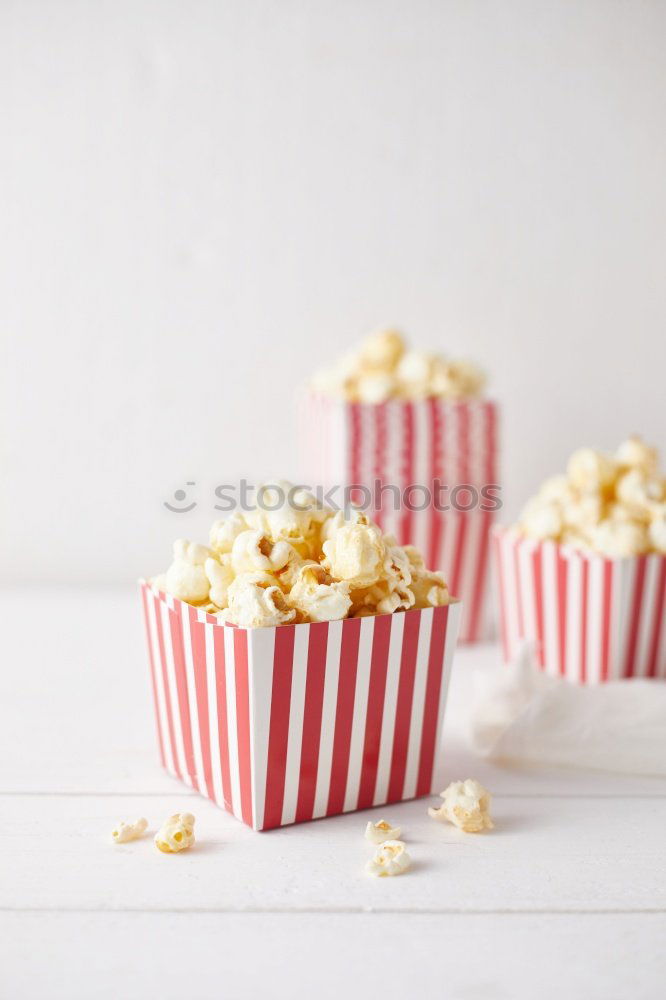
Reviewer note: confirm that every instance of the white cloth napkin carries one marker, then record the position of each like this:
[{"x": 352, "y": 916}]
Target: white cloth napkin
[{"x": 520, "y": 713}]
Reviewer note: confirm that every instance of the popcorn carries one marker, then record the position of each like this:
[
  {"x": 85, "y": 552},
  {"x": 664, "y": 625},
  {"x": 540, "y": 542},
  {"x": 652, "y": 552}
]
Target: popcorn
[
  {"x": 186, "y": 576},
  {"x": 123, "y": 832},
  {"x": 378, "y": 833},
  {"x": 384, "y": 369},
  {"x": 657, "y": 530},
  {"x": 391, "y": 859},
  {"x": 300, "y": 562},
  {"x": 220, "y": 577},
  {"x": 467, "y": 805},
  {"x": 355, "y": 553},
  {"x": 255, "y": 600},
  {"x": 176, "y": 834},
  {"x": 317, "y": 596},
  {"x": 613, "y": 506}
]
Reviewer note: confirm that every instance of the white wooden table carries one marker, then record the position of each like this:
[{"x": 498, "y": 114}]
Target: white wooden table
[{"x": 566, "y": 898}]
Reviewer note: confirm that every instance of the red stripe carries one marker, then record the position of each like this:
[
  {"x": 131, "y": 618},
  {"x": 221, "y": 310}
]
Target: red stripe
[
  {"x": 639, "y": 585},
  {"x": 606, "y": 618},
  {"x": 198, "y": 638},
  {"x": 380, "y": 456},
  {"x": 344, "y": 713},
  {"x": 181, "y": 687},
  {"x": 165, "y": 683},
  {"x": 498, "y": 546},
  {"x": 314, "y": 700},
  {"x": 243, "y": 723},
  {"x": 562, "y": 576},
  {"x": 583, "y": 619},
  {"x": 222, "y": 719},
  {"x": 407, "y": 469},
  {"x": 436, "y": 459},
  {"x": 153, "y": 676},
  {"x": 355, "y": 447},
  {"x": 278, "y": 737},
  {"x": 403, "y": 711},
  {"x": 432, "y": 696},
  {"x": 538, "y": 600},
  {"x": 659, "y": 615},
  {"x": 518, "y": 589},
  {"x": 381, "y": 639}
]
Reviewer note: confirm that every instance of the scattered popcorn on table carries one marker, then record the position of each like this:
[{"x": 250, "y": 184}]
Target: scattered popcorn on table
[
  {"x": 613, "y": 505},
  {"x": 378, "y": 833},
  {"x": 176, "y": 834},
  {"x": 467, "y": 805},
  {"x": 383, "y": 368},
  {"x": 390, "y": 859},
  {"x": 299, "y": 561},
  {"x": 129, "y": 831}
]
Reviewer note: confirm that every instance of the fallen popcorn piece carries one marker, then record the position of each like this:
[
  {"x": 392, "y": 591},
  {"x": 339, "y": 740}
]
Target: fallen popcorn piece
[
  {"x": 467, "y": 805},
  {"x": 391, "y": 859},
  {"x": 379, "y": 833},
  {"x": 129, "y": 831},
  {"x": 176, "y": 834}
]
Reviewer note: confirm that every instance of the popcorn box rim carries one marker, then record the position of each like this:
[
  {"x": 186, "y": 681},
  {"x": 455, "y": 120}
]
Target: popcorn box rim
[{"x": 567, "y": 550}]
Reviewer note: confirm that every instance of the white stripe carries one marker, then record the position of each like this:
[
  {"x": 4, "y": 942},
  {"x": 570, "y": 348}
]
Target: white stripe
[
  {"x": 574, "y": 617},
  {"x": 623, "y": 583},
  {"x": 647, "y": 615},
  {"x": 452, "y": 628},
  {"x": 594, "y": 618},
  {"x": 296, "y": 714},
  {"x": 512, "y": 593},
  {"x": 527, "y": 591},
  {"x": 388, "y": 717},
  {"x": 422, "y": 473},
  {"x": 173, "y": 690},
  {"x": 192, "y": 696},
  {"x": 391, "y": 463},
  {"x": 661, "y": 651},
  {"x": 261, "y": 650},
  {"x": 329, "y": 704},
  {"x": 357, "y": 737},
  {"x": 232, "y": 725},
  {"x": 418, "y": 703},
  {"x": 213, "y": 723},
  {"x": 159, "y": 683},
  {"x": 550, "y": 606}
]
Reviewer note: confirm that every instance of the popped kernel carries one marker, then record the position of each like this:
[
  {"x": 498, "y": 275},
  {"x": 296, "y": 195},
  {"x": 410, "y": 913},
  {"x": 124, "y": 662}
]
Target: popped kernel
[
  {"x": 176, "y": 833},
  {"x": 466, "y": 804},
  {"x": 255, "y": 600},
  {"x": 355, "y": 554},
  {"x": 378, "y": 833},
  {"x": 186, "y": 576},
  {"x": 391, "y": 859},
  {"x": 317, "y": 596},
  {"x": 124, "y": 832}
]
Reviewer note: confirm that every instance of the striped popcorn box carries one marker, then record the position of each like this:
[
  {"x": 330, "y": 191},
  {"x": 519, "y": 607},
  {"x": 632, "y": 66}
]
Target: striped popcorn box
[
  {"x": 389, "y": 447},
  {"x": 281, "y": 725},
  {"x": 591, "y": 618}
]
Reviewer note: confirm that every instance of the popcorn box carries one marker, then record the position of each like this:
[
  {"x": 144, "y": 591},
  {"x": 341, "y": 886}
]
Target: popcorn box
[
  {"x": 402, "y": 443},
  {"x": 592, "y": 619},
  {"x": 287, "y": 724}
]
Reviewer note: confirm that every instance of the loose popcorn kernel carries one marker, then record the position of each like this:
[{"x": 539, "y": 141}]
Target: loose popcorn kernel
[
  {"x": 124, "y": 832},
  {"x": 467, "y": 805},
  {"x": 378, "y": 833},
  {"x": 391, "y": 859},
  {"x": 612, "y": 506},
  {"x": 176, "y": 834}
]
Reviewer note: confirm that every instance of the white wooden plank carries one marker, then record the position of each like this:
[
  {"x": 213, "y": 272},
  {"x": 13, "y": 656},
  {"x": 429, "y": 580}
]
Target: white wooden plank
[
  {"x": 102, "y": 956},
  {"x": 560, "y": 854}
]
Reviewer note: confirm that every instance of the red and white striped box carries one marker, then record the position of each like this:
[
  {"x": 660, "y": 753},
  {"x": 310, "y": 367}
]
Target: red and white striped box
[
  {"x": 282, "y": 725},
  {"x": 399, "y": 444},
  {"x": 592, "y": 619}
]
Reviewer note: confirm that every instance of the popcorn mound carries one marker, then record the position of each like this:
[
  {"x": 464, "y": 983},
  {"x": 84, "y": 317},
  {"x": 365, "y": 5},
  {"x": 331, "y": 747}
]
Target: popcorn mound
[
  {"x": 298, "y": 562},
  {"x": 613, "y": 505},
  {"x": 384, "y": 368}
]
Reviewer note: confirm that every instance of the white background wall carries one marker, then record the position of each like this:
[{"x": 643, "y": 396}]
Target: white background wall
[{"x": 201, "y": 201}]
